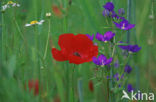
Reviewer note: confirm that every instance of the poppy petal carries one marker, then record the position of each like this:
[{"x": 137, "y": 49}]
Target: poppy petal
[
  {"x": 57, "y": 55},
  {"x": 65, "y": 42}
]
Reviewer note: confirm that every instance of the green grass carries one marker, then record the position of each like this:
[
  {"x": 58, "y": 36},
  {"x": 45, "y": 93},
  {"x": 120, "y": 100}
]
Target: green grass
[{"x": 26, "y": 51}]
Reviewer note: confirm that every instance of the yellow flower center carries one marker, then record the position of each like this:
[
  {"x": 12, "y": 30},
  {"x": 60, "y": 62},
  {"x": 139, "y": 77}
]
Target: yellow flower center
[
  {"x": 33, "y": 22},
  {"x": 123, "y": 27},
  {"x": 10, "y": 2}
]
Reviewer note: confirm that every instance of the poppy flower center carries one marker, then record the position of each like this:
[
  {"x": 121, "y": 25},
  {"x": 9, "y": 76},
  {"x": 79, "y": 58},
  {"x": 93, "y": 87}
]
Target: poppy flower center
[{"x": 76, "y": 54}]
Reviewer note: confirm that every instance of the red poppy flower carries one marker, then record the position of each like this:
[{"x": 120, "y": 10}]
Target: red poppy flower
[
  {"x": 56, "y": 10},
  {"x": 91, "y": 86},
  {"x": 76, "y": 49},
  {"x": 33, "y": 85}
]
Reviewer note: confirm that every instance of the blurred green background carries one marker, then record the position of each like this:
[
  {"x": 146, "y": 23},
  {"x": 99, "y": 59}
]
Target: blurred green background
[{"x": 18, "y": 59}]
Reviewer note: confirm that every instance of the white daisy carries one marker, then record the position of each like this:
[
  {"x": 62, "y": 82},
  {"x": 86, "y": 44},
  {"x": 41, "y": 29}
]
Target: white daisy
[
  {"x": 15, "y": 5},
  {"x": 34, "y": 23},
  {"x": 10, "y": 4},
  {"x": 4, "y": 7}
]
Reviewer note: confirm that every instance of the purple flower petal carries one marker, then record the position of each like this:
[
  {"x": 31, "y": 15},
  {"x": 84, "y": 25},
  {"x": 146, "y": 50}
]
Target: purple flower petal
[
  {"x": 124, "y": 25},
  {"x": 102, "y": 60},
  {"x": 109, "y": 6},
  {"x": 106, "y": 37},
  {"x": 116, "y": 64},
  {"x": 96, "y": 61},
  {"x": 109, "y": 61},
  {"x": 116, "y": 76},
  {"x": 128, "y": 69},
  {"x": 106, "y": 13},
  {"x": 129, "y": 88},
  {"x": 130, "y": 26},
  {"x": 91, "y": 37},
  {"x": 131, "y": 48},
  {"x": 121, "y": 11},
  {"x": 99, "y": 36}
]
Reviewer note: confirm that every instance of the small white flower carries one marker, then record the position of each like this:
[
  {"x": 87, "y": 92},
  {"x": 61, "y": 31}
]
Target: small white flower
[
  {"x": 10, "y": 3},
  {"x": 15, "y": 5},
  {"x": 4, "y": 7},
  {"x": 48, "y": 14},
  {"x": 34, "y": 23}
]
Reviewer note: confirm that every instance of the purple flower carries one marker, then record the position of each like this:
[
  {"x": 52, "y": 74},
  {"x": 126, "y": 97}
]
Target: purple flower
[
  {"x": 131, "y": 48},
  {"x": 119, "y": 85},
  {"x": 121, "y": 11},
  {"x": 116, "y": 64},
  {"x": 116, "y": 76},
  {"x": 128, "y": 69},
  {"x": 109, "y": 6},
  {"x": 91, "y": 37},
  {"x": 102, "y": 60},
  {"x": 106, "y": 13},
  {"x": 106, "y": 37},
  {"x": 114, "y": 15},
  {"x": 124, "y": 25},
  {"x": 122, "y": 76},
  {"x": 108, "y": 77},
  {"x": 129, "y": 88}
]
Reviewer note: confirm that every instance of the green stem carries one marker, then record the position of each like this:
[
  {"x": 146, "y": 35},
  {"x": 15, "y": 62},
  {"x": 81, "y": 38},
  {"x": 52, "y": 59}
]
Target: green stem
[
  {"x": 129, "y": 18},
  {"x": 37, "y": 61},
  {"x": 45, "y": 52},
  {"x": 19, "y": 30},
  {"x": 3, "y": 24},
  {"x": 67, "y": 84},
  {"x": 113, "y": 48},
  {"x": 21, "y": 34},
  {"x": 108, "y": 90},
  {"x": 73, "y": 78},
  {"x": 122, "y": 71}
]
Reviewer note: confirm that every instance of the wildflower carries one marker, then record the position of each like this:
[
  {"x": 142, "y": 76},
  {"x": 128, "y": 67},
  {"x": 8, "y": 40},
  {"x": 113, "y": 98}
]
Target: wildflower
[
  {"x": 129, "y": 88},
  {"x": 33, "y": 85},
  {"x": 4, "y": 7},
  {"x": 131, "y": 48},
  {"x": 56, "y": 10},
  {"x": 109, "y": 6},
  {"x": 76, "y": 49},
  {"x": 118, "y": 77},
  {"x": 91, "y": 86},
  {"x": 119, "y": 85},
  {"x": 102, "y": 60},
  {"x": 114, "y": 15},
  {"x": 106, "y": 13},
  {"x": 48, "y": 14},
  {"x": 91, "y": 37},
  {"x": 10, "y": 4},
  {"x": 34, "y": 23},
  {"x": 124, "y": 25},
  {"x": 106, "y": 37},
  {"x": 108, "y": 77},
  {"x": 128, "y": 69},
  {"x": 121, "y": 11},
  {"x": 116, "y": 64}
]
